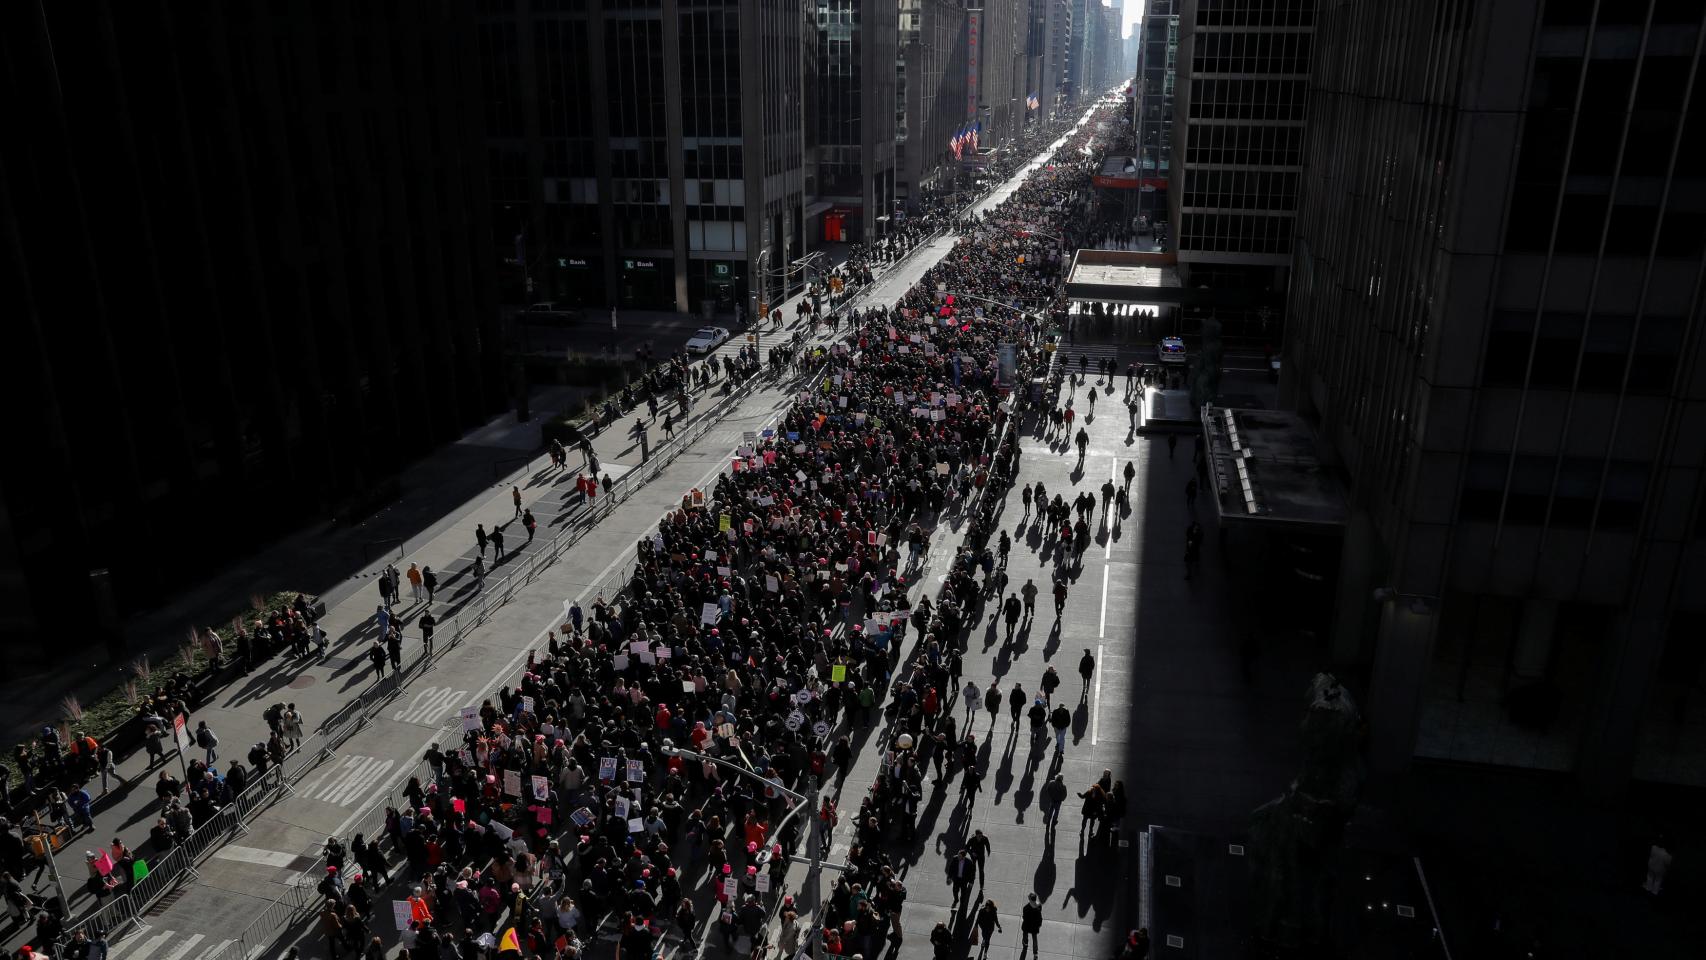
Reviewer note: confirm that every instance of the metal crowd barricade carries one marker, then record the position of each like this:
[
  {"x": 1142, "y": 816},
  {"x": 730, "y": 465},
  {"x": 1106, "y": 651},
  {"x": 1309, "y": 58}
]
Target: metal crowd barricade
[{"x": 179, "y": 864}]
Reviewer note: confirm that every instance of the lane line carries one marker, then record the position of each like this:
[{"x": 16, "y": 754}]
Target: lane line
[
  {"x": 1102, "y": 631},
  {"x": 214, "y": 951},
  {"x": 1096, "y": 694}
]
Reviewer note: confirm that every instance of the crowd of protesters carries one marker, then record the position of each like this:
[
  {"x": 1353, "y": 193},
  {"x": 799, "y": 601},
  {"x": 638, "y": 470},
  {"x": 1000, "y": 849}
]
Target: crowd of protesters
[{"x": 764, "y": 624}]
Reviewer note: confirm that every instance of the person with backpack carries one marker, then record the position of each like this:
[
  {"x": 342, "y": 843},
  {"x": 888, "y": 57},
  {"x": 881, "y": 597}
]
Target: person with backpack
[{"x": 206, "y": 739}]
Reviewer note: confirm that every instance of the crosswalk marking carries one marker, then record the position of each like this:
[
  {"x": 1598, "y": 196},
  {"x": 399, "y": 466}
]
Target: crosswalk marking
[
  {"x": 182, "y": 946},
  {"x": 266, "y": 858},
  {"x": 346, "y": 782},
  {"x": 179, "y": 952}
]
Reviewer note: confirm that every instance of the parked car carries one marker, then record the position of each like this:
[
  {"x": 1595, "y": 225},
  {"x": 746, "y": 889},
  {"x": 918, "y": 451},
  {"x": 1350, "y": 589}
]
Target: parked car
[{"x": 706, "y": 339}]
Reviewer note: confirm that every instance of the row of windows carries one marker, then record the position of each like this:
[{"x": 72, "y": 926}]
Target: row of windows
[
  {"x": 1248, "y": 99},
  {"x": 1241, "y": 189},
  {"x": 1235, "y": 233},
  {"x": 713, "y": 162},
  {"x": 1530, "y": 490},
  {"x": 1571, "y": 13},
  {"x": 702, "y": 235},
  {"x": 1610, "y": 344},
  {"x": 1582, "y": 218},
  {"x": 1256, "y": 146},
  {"x": 1248, "y": 52},
  {"x": 1257, "y": 13}
]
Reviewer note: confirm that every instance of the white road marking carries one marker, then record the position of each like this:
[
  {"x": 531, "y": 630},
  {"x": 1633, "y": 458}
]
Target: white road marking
[
  {"x": 266, "y": 858},
  {"x": 215, "y": 951},
  {"x": 1102, "y": 631},
  {"x": 431, "y": 705},
  {"x": 145, "y": 950},
  {"x": 348, "y": 780},
  {"x": 1096, "y": 694},
  {"x": 184, "y": 948}
]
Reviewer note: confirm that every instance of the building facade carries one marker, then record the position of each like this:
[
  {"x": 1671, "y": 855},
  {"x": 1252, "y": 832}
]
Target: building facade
[
  {"x": 1157, "y": 45},
  {"x": 647, "y": 154},
  {"x": 245, "y": 245},
  {"x": 1242, "y": 79},
  {"x": 930, "y": 94},
  {"x": 852, "y": 181},
  {"x": 1497, "y": 322}
]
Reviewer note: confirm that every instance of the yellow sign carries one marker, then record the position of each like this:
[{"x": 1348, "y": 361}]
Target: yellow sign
[{"x": 724, "y": 523}]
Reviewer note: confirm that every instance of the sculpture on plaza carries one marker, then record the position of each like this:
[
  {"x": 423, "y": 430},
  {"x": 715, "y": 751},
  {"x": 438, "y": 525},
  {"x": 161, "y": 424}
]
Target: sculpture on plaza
[{"x": 1294, "y": 838}]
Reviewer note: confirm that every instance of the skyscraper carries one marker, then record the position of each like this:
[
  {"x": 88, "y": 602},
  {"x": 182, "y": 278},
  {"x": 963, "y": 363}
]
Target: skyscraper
[
  {"x": 931, "y": 92},
  {"x": 246, "y": 250},
  {"x": 1242, "y": 77},
  {"x": 650, "y": 155},
  {"x": 1496, "y": 321}
]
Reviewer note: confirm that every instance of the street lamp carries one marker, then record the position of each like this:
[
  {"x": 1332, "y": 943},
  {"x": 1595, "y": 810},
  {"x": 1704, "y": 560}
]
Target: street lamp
[{"x": 802, "y": 801}]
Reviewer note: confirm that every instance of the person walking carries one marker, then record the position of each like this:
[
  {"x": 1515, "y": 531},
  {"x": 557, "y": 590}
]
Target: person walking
[
  {"x": 971, "y": 696},
  {"x": 1017, "y": 698},
  {"x": 414, "y": 576},
  {"x": 992, "y": 703},
  {"x": 1172, "y": 444},
  {"x": 1061, "y": 720},
  {"x": 429, "y": 580},
  {"x": 480, "y": 537},
  {"x": 1029, "y": 592},
  {"x": 206, "y": 739},
  {"x": 515, "y": 496},
  {"x": 1030, "y": 924},
  {"x": 980, "y": 848},
  {"x": 376, "y": 656},
  {"x": 428, "y": 623},
  {"x": 1010, "y": 612},
  {"x": 529, "y": 523},
  {"x": 1052, "y": 800},
  {"x": 988, "y": 921},
  {"x": 497, "y": 545},
  {"x": 479, "y": 574},
  {"x": 1059, "y": 598}
]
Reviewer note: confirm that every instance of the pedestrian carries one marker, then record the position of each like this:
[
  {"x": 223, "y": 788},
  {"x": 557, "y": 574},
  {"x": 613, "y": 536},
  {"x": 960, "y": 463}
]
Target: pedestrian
[
  {"x": 480, "y": 537},
  {"x": 414, "y": 581},
  {"x": 429, "y": 580},
  {"x": 290, "y": 726},
  {"x": 1172, "y": 444},
  {"x": 1059, "y": 598},
  {"x": 376, "y": 656},
  {"x": 1010, "y": 613},
  {"x": 1029, "y": 592},
  {"x": 1016, "y": 700},
  {"x": 1030, "y": 924},
  {"x": 988, "y": 921},
  {"x": 497, "y": 545},
  {"x": 980, "y": 848},
  {"x": 1658, "y": 864},
  {"x": 428, "y": 623},
  {"x": 1053, "y": 798},
  {"x": 206, "y": 739},
  {"x": 1130, "y": 472},
  {"x": 385, "y": 588},
  {"x": 1061, "y": 719},
  {"x": 515, "y": 495},
  {"x": 992, "y": 702},
  {"x": 970, "y": 696},
  {"x": 529, "y": 523},
  {"x": 1086, "y": 669},
  {"x": 1191, "y": 493}
]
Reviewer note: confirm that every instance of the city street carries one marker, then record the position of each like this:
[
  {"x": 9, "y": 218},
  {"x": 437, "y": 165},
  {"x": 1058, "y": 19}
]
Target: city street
[{"x": 346, "y": 794}]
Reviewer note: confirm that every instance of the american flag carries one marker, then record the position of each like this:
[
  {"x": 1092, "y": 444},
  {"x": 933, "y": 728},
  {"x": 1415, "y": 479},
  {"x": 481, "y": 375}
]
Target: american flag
[{"x": 1032, "y": 103}]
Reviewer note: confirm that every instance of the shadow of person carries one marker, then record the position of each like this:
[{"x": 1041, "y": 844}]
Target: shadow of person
[{"x": 1080, "y": 721}]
